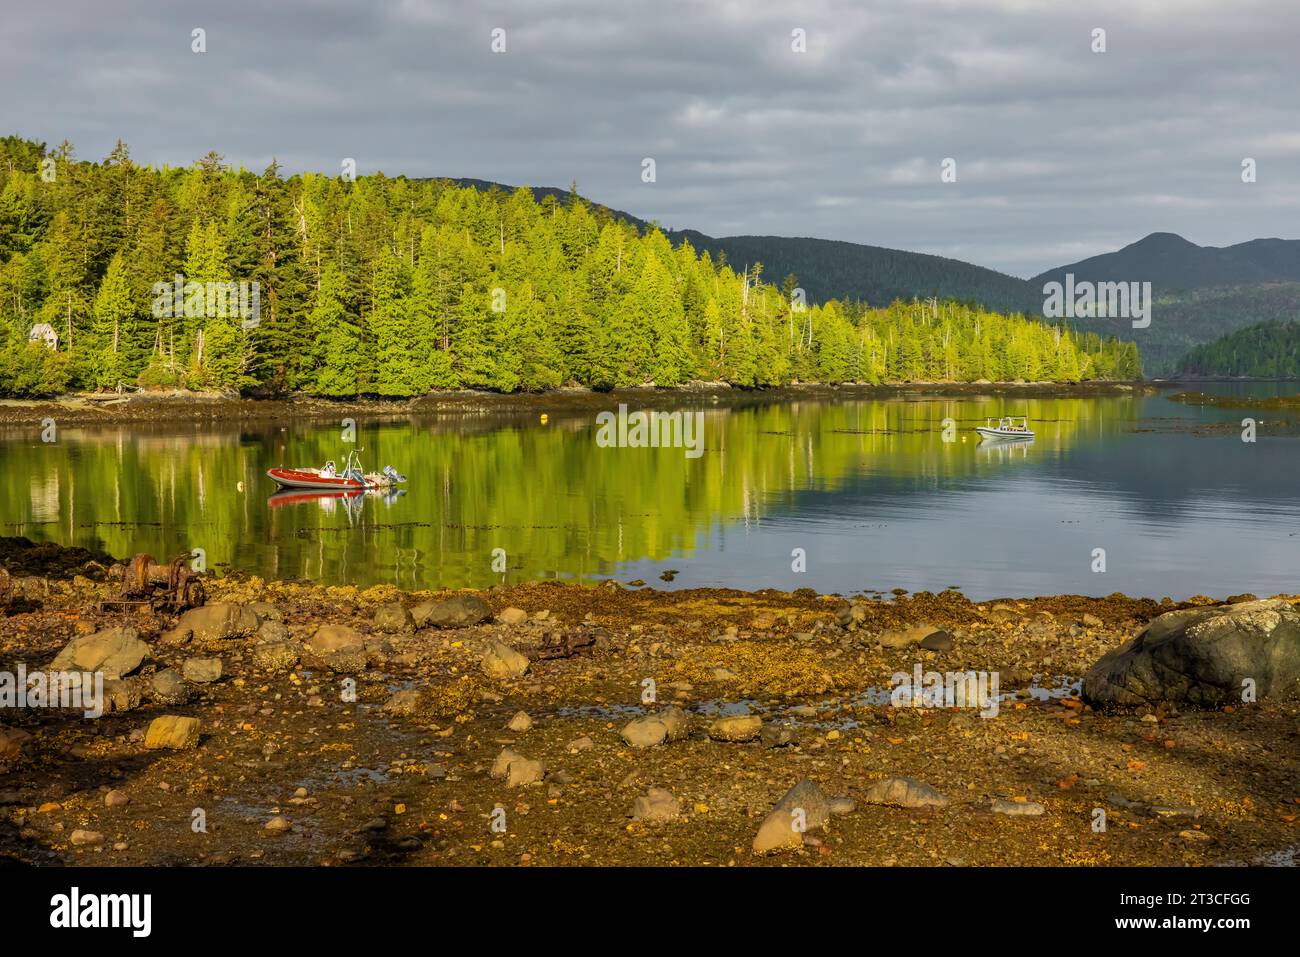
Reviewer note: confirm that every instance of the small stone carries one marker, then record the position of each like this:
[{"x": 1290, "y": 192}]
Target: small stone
[
  {"x": 801, "y": 809},
  {"x": 517, "y": 769},
  {"x": 905, "y": 637},
  {"x": 779, "y": 734},
  {"x": 81, "y": 838},
  {"x": 939, "y": 641},
  {"x": 278, "y": 824},
  {"x": 904, "y": 792},
  {"x": 460, "y": 611},
  {"x": 520, "y": 723},
  {"x": 393, "y": 617},
  {"x": 275, "y": 655},
  {"x": 735, "y": 728},
  {"x": 405, "y": 702},
  {"x": 656, "y": 806},
  {"x": 583, "y": 743},
  {"x": 1092, "y": 621},
  {"x": 116, "y": 798},
  {"x": 839, "y": 806},
  {"x": 168, "y": 687},
  {"x": 512, "y": 616},
  {"x": 1017, "y": 808},
  {"x": 202, "y": 670},
  {"x": 329, "y": 639},
  {"x": 173, "y": 732},
  {"x": 502, "y": 661}
]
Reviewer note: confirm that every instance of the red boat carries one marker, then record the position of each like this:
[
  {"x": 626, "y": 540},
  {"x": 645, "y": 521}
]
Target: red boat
[{"x": 328, "y": 478}]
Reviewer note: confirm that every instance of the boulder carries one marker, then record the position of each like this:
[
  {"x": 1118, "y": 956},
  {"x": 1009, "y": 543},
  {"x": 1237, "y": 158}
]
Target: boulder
[
  {"x": 1202, "y": 656},
  {"x": 172, "y": 732},
  {"x": 801, "y": 809},
  {"x": 904, "y": 792},
  {"x": 216, "y": 622},
  {"x": 512, "y": 616},
  {"x": 460, "y": 611},
  {"x": 114, "y": 652}
]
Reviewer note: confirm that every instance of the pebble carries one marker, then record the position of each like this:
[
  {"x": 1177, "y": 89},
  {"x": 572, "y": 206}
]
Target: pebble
[
  {"x": 116, "y": 798},
  {"x": 1017, "y": 808},
  {"x": 904, "y": 792},
  {"x": 520, "y": 723},
  {"x": 656, "y": 806},
  {"x": 735, "y": 728}
]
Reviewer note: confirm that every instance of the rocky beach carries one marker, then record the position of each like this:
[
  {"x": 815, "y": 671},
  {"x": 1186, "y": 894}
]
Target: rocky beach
[{"x": 284, "y": 722}]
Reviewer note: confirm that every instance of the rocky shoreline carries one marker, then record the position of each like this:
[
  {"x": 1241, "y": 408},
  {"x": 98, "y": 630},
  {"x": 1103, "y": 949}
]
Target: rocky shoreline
[
  {"x": 183, "y": 407},
  {"x": 558, "y": 724}
]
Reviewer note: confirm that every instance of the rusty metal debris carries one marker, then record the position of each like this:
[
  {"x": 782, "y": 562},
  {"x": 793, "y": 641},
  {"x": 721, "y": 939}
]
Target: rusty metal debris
[
  {"x": 564, "y": 644},
  {"x": 173, "y": 587}
]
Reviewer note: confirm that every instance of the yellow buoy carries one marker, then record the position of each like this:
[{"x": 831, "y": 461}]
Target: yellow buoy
[{"x": 544, "y": 417}]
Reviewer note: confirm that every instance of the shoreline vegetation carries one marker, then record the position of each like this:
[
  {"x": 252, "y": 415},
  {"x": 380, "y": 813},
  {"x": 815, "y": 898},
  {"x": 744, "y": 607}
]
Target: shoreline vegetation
[
  {"x": 165, "y": 406},
  {"x": 219, "y": 279},
  {"x": 529, "y": 698}
]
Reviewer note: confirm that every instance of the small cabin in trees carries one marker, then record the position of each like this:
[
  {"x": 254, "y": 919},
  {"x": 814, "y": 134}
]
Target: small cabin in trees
[{"x": 44, "y": 332}]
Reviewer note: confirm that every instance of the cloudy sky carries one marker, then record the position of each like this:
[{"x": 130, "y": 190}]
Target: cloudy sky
[{"x": 1060, "y": 152}]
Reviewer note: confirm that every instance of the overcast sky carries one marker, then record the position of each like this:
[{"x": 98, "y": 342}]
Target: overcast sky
[{"x": 1060, "y": 152}]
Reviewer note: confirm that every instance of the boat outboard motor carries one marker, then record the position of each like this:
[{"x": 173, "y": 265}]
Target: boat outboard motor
[{"x": 393, "y": 474}]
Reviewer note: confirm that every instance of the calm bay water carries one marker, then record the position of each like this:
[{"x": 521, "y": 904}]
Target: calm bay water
[{"x": 867, "y": 489}]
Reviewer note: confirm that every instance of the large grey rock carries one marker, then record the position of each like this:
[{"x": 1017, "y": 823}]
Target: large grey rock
[
  {"x": 219, "y": 621},
  {"x": 1202, "y": 656},
  {"x": 114, "y": 652},
  {"x": 460, "y": 611}
]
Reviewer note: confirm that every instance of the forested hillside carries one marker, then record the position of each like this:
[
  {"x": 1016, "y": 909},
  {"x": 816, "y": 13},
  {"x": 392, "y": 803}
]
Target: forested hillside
[
  {"x": 1267, "y": 350},
  {"x": 397, "y": 287}
]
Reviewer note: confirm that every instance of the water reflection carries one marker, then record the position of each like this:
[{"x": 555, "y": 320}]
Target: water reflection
[{"x": 869, "y": 490}]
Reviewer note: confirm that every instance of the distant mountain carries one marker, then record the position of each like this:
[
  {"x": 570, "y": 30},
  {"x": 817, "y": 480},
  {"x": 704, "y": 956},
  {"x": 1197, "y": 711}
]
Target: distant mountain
[
  {"x": 829, "y": 269},
  {"x": 1170, "y": 262},
  {"x": 1201, "y": 292}
]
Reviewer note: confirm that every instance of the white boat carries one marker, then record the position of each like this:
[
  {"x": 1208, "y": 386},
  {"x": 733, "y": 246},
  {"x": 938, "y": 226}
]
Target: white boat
[{"x": 1008, "y": 427}]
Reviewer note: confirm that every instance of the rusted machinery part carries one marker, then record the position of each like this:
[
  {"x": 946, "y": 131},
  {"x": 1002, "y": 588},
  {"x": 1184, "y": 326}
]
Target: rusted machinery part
[{"x": 174, "y": 585}]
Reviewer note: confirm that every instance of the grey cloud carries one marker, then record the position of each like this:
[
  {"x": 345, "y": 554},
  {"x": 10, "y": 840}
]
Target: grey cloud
[{"x": 1062, "y": 153}]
